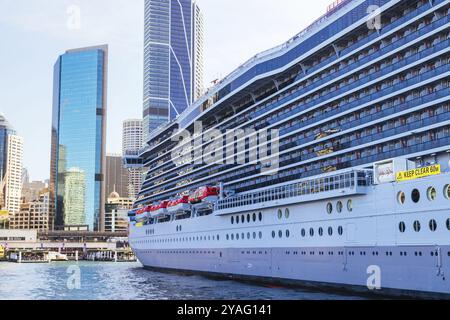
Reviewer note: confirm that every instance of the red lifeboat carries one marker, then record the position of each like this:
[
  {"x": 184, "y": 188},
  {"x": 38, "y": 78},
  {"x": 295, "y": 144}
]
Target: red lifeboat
[
  {"x": 161, "y": 208},
  {"x": 179, "y": 204},
  {"x": 141, "y": 214},
  {"x": 204, "y": 194}
]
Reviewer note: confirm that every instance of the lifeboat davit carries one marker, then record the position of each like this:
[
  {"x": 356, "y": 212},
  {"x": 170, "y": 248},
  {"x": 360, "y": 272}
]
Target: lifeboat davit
[
  {"x": 159, "y": 209},
  {"x": 204, "y": 195},
  {"x": 179, "y": 205}
]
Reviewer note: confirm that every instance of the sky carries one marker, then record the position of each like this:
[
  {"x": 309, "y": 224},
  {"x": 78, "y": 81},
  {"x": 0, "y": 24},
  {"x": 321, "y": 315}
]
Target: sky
[{"x": 34, "y": 33}]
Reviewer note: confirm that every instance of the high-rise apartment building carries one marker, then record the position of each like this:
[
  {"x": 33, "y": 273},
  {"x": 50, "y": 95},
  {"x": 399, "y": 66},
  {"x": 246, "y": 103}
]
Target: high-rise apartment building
[
  {"x": 132, "y": 142},
  {"x": 173, "y": 60},
  {"x": 78, "y": 137},
  {"x": 13, "y": 177},
  {"x": 33, "y": 215}
]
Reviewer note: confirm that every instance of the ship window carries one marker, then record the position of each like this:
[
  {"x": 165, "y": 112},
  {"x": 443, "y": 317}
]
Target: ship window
[
  {"x": 232, "y": 220},
  {"x": 447, "y": 191},
  {"x": 330, "y": 231},
  {"x": 433, "y": 225},
  {"x": 402, "y": 227},
  {"x": 415, "y": 196},
  {"x": 260, "y": 235},
  {"x": 311, "y": 232},
  {"x": 280, "y": 214},
  {"x": 242, "y": 218},
  {"x": 303, "y": 232},
  {"x": 232, "y": 236},
  {"x": 218, "y": 238},
  {"x": 237, "y": 220},
  {"x": 248, "y": 218},
  {"x": 448, "y": 224},
  {"x": 416, "y": 226},
  {"x": 237, "y": 236},
  {"x": 432, "y": 194},
  {"x": 288, "y": 233},
  {"x": 254, "y": 217},
  {"x": 273, "y": 234},
  {"x": 248, "y": 235},
  {"x": 339, "y": 206},
  {"x": 280, "y": 234},
  {"x": 320, "y": 231},
  {"x": 254, "y": 235},
  {"x": 287, "y": 213},
  {"x": 228, "y": 237},
  {"x": 341, "y": 231},
  {"x": 329, "y": 208},
  {"x": 401, "y": 197},
  {"x": 260, "y": 216}
]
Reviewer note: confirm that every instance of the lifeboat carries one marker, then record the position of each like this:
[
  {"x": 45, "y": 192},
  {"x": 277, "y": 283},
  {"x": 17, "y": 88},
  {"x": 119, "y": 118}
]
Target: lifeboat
[
  {"x": 141, "y": 215},
  {"x": 179, "y": 205},
  {"x": 204, "y": 195},
  {"x": 159, "y": 209}
]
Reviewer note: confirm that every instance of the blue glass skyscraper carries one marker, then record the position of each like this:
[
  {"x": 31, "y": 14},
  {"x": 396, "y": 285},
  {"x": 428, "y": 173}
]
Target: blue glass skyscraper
[
  {"x": 78, "y": 137},
  {"x": 173, "y": 72},
  {"x": 5, "y": 130}
]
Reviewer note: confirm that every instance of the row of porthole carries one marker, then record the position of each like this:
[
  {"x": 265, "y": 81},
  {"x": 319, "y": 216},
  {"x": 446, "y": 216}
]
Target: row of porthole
[
  {"x": 340, "y": 206},
  {"x": 241, "y": 236},
  {"x": 250, "y": 218},
  {"x": 431, "y": 194},
  {"x": 287, "y": 214},
  {"x": 320, "y": 231},
  {"x": 417, "y": 226},
  {"x": 184, "y": 239},
  {"x": 150, "y": 232}
]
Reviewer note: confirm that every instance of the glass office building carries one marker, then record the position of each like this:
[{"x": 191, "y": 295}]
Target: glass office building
[
  {"x": 173, "y": 58},
  {"x": 5, "y": 130},
  {"x": 78, "y": 137}
]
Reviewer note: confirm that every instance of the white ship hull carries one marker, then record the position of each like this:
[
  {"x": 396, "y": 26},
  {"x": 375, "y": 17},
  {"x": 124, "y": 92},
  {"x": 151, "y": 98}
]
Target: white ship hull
[{"x": 371, "y": 244}]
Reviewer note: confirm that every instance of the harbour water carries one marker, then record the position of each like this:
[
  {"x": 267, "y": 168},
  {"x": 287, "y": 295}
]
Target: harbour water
[{"x": 129, "y": 281}]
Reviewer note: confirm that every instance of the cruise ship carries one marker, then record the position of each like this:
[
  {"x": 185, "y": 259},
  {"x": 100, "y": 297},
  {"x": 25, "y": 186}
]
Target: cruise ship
[{"x": 337, "y": 172}]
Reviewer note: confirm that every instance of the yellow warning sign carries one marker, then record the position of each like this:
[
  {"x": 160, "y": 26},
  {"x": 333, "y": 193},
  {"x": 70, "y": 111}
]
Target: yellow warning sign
[{"x": 419, "y": 173}]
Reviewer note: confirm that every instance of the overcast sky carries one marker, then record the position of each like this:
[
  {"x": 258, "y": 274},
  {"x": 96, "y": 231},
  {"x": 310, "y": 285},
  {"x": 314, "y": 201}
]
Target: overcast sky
[{"x": 34, "y": 32}]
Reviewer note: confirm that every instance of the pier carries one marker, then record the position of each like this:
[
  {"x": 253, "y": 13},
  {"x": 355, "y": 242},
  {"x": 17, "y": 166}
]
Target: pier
[{"x": 33, "y": 247}]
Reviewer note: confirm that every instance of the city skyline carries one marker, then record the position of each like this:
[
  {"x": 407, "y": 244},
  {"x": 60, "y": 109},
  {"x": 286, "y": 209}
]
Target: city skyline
[{"x": 247, "y": 36}]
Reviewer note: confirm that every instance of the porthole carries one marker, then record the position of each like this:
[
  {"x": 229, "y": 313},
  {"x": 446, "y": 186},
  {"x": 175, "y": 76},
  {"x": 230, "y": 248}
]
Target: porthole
[
  {"x": 242, "y": 236},
  {"x": 232, "y": 220},
  {"x": 242, "y": 218},
  {"x": 447, "y": 191},
  {"x": 232, "y": 236},
  {"x": 280, "y": 214},
  {"x": 287, "y": 213},
  {"x": 339, "y": 206},
  {"x": 280, "y": 234},
  {"x": 417, "y": 226},
  {"x": 448, "y": 224},
  {"x": 415, "y": 196},
  {"x": 254, "y": 217},
  {"x": 402, "y": 227},
  {"x": 431, "y": 193},
  {"x": 311, "y": 232},
  {"x": 248, "y": 218},
  {"x": 260, "y": 235},
  {"x": 237, "y": 220},
  {"x": 254, "y": 235},
  {"x": 401, "y": 197},
  {"x": 329, "y": 208},
  {"x": 237, "y": 236},
  {"x": 330, "y": 231},
  {"x": 248, "y": 235},
  {"x": 288, "y": 233},
  {"x": 341, "y": 231},
  {"x": 273, "y": 234},
  {"x": 350, "y": 205},
  {"x": 433, "y": 225},
  {"x": 303, "y": 233},
  {"x": 321, "y": 232},
  {"x": 260, "y": 216}
]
